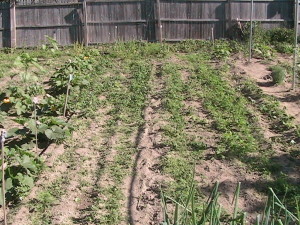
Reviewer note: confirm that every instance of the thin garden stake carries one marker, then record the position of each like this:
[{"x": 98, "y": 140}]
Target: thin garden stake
[
  {"x": 251, "y": 31},
  {"x": 35, "y": 102},
  {"x": 212, "y": 36},
  {"x": 296, "y": 43},
  {"x": 2, "y": 140},
  {"x": 67, "y": 95}
]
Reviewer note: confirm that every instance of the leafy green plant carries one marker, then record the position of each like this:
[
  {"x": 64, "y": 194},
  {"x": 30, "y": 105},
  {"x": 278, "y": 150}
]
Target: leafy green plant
[
  {"x": 280, "y": 35},
  {"x": 221, "y": 50},
  {"x": 20, "y": 98},
  {"x": 21, "y": 170},
  {"x": 51, "y": 44},
  {"x": 25, "y": 61},
  {"x": 185, "y": 213},
  {"x": 278, "y": 74},
  {"x": 53, "y": 128}
]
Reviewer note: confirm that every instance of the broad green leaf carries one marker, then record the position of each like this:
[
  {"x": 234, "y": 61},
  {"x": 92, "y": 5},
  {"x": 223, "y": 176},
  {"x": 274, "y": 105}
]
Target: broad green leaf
[
  {"x": 8, "y": 184},
  {"x": 42, "y": 128},
  {"x": 31, "y": 125},
  {"x": 28, "y": 163},
  {"x": 28, "y": 181},
  {"x": 12, "y": 132}
]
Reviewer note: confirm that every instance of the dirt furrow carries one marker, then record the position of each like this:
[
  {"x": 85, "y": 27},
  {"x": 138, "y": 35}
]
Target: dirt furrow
[
  {"x": 260, "y": 72},
  {"x": 143, "y": 186}
]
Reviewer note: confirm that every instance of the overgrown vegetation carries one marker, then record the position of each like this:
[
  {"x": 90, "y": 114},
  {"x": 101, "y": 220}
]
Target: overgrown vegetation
[{"x": 114, "y": 81}]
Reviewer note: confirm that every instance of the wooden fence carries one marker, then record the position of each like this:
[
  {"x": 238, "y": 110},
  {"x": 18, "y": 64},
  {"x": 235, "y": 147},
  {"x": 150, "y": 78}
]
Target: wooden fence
[{"x": 27, "y": 22}]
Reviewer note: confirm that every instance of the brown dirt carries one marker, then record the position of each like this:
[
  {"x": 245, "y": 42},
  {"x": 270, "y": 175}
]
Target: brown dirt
[
  {"x": 142, "y": 187},
  {"x": 21, "y": 215},
  {"x": 289, "y": 101},
  {"x": 229, "y": 174},
  {"x": 259, "y": 71}
]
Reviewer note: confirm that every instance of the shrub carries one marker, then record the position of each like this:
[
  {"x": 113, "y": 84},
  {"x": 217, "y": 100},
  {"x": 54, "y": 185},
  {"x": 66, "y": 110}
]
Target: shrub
[
  {"x": 280, "y": 35},
  {"x": 278, "y": 74}
]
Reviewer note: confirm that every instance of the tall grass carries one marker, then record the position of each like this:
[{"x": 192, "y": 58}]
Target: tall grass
[{"x": 184, "y": 213}]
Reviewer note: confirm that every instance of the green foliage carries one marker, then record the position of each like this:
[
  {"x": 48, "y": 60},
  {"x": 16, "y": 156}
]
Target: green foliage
[
  {"x": 80, "y": 68},
  {"x": 21, "y": 98},
  {"x": 266, "y": 41},
  {"x": 21, "y": 169},
  {"x": 267, "y": 105},
  {"x": 184, "y": 210},
  {"x": 280, "y": 35},
  {"x": 278, "y": 74},
  {"x": 226, "y": 107},
  {"x": 221, "y": 50},
  {"x": 51, "y": 45},
  {"x": 25, "y": 61}
]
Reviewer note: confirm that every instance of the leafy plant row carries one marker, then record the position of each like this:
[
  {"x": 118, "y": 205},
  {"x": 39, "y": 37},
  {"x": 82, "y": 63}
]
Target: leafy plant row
[{"x": 37, "y": 114}]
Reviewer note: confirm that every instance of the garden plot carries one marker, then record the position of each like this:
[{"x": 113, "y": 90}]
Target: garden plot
[{"x": 142, "y": 121}]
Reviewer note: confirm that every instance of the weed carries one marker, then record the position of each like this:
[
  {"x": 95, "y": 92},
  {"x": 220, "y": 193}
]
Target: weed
[{"x": 278, "y": 74}]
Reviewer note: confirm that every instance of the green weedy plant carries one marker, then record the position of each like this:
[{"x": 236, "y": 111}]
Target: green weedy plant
[
  {"x": 26, "y": 61},
  {"x": 21, "y": 98},
  {"x": 278, "y": 74},
  {"x": 21, "y": 169},
  {"x": 184, "y": 212},
  {"x": 51, "y": 44}
]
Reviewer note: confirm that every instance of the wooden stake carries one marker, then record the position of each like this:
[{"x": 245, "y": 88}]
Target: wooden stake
[
  {"x": 212, "y": 36},
  {"x": 67, "y": 95},
  {"x": 2, "y": 140},
  {"x": 251, "y": 32},
  {"x": 295, "y": 44},
  {"x": 36, "y": 125}
]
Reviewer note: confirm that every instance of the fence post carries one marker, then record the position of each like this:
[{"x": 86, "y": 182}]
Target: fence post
[
  {"x": 158, "y": 25},
  {"x": 251, "y": 31},
  {"x": 85, "y": 23},
  {"x": 296, "y": 23},
  {"x": 13, "y": 25}
]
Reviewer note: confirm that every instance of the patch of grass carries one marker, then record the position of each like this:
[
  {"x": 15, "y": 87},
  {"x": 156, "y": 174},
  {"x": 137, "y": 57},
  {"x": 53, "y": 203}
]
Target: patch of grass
[
  {"x": 267, "y": 105},
  {"x": 278, "y": 74},
  {"x": 227, "y": 108}
]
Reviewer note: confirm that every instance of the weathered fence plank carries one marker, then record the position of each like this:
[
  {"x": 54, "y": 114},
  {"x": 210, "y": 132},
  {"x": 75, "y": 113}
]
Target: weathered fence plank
[
  {"x": 100, "y": 21},
  {"x": 13, "y": 24}
]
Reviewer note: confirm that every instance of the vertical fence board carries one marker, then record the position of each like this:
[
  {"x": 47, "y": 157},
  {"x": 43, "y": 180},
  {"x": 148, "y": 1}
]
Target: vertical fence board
[
  {"x": 13, "y": 24},
  {"x": 124, "y": 20},
  {"x": 4, "y": 25},
  {"x": 116, "y": 21}
]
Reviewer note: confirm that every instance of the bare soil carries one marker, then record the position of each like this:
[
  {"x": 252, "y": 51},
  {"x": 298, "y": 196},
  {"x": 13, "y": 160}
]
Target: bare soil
[{"x": 141, "y": 188}]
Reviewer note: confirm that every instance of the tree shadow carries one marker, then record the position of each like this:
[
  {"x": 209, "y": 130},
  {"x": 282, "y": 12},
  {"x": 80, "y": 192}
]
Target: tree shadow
[
  {"x": 75, "y": 29},
  {"x": 265, "y": 84},
  {"x": 295, "y": 97},
  {"x": 5, "y": 26}
]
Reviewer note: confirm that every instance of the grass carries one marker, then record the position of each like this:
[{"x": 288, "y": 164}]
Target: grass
[
  {"x": 120, "y": 80},
  {"x": 278, "y": 74},
  {"x": 275, "y": 211}
]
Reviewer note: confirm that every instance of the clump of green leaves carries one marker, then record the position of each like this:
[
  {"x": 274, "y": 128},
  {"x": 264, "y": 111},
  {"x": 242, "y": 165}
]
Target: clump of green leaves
[
  {"x": 278, "y": 74},
  {"x": 21, "y": 98},
  {"x": 26, "y": 61},
  {"x": 226, "y": 106},
  {"x": 21, "y": 169},
  {"x": 51, "y": 44},
  {"x": 185, "y": 212},
  {"x": 267, "y": 105}
]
